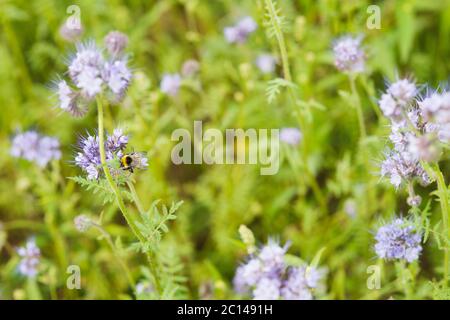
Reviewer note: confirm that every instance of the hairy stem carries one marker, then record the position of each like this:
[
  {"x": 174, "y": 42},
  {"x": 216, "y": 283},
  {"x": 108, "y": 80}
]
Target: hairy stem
[
  {"x": 128, "y": 217},
  {"x": 120, "y": 261},
  {"x": 443, "y": 200}
]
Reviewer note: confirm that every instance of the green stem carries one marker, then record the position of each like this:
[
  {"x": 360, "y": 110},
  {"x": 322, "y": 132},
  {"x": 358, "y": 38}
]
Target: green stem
[
  {"x": 359, "y": 112},
  {"x": 136, "y": 199},
  {"x": 128, "y": 217},
  {"x": 280, "y": 39},
  {"x": 443, "y": 200},
  {"x": 120, "y": 261}
]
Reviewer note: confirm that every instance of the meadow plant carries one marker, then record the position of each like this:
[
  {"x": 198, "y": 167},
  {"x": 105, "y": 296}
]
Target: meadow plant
[{"x": 313, "y": 72}]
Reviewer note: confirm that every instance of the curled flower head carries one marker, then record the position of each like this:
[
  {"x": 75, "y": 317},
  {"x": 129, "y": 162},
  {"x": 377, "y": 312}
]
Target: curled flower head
[
  {"x": 396, "y": 102},
  {"x": 291, "y": 136},
  {"x": 398, "y": 240},
  {"x": 116, "y": 42},
  {"x": 34, "y": 147},
  {"x": 30, "y": 258},
  {"x": 348, "y": 55},
  {"x": 241, "y": 30},
  {"x": 82, "y": 223},
  {"x": 92, "y": 74},
  {"x": 403, "y": 167},
  {"x": 170, "y": 84},
  {"x": 266, "y": 63}
]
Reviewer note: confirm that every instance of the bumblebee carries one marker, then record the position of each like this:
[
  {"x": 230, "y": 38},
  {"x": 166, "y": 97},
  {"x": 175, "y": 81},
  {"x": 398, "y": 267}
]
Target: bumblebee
[{"x": 133, "y": 160}]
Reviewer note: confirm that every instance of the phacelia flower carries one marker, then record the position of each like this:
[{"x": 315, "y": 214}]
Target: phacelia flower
[
  {"x": 291, "y": 136},
  {"x": 403, "y": 167},
  {"x": 397, "y": 100},
  {"x": 30, "y": 258},
  {"x": 82, "y": 223},
  {"x": 170, "y": 84},
  {"x": 296, "y": 286},
  {"x": 398, "y": 240},
  {"x": 34, "y": 147},
  {"x": 436, "y": 110},
  {"x": 88, "y": 158},
  {"x": 267, "y": 289},
  {"x": 240, "y": 31},
  {"x": 348, "y": 54},
  {"x": 190, "y": 68},
  {"x": 116, "y": 42},
  {"x": 266, "y": 63},
  {"x": 92, "y": 73},
  {"x": 267, "y": 276}
]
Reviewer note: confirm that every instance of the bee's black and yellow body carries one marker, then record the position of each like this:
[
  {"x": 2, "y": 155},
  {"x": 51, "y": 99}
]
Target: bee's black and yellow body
[{"x": 126, "y": 162}]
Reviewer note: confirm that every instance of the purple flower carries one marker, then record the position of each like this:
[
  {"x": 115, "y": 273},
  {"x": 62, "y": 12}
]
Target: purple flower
[
  {"x": 88, "y": 157},
  {"x": 36, "y": 148},
  {"x": 266, "y": 63},
  {"x": 398, "y": 241},
  {"x": 116, "y": 42},
  {"x": 267, "y": 276},
  {"x": 240, "y": 31},
  {"x": 267, "y": 289},
  {"x": 190, "y": 67},
  {"x": 296, "y": 285},
  {"x": 30, "y": 255},
  {"x": 170, "y": 84},
  {"x": 348, "y": 55},
  {"x": 398, "y": 98},
  {"x": 92, "y": 74},
  {"x": 291, "y": 136}
]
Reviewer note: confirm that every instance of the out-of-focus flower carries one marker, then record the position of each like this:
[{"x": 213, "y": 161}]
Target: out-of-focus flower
[
  {"x": 296, "y": 285},
  {"x": 34, "y": 147},
  {"x": 402, "y": 166},
  {"x": 396, "y": 101},
  {"x": 70, "y": 33},
  {"x": 425, "y": 147},
  {"x": 30, "y": 258},
  {"x": 267, "y": 276},
  {"x": 240, "y": 31},
  {"x": 190, "y": 68},
  {"x": 398, "y": 240},
  {"x": 291, "y": 136},
  {"x": 350, "y": 208},
  {"x": 348, "y": 54},
  {"x": 267, "y": 289},
  {"x": 116, "y": 42},
  {"x": 82, "y": 223},
  {"x": 170, "y": 84},
  {"x": 266, "y": 63}
]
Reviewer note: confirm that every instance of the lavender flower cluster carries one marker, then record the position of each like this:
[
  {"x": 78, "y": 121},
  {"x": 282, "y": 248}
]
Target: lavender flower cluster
[
  {"x": 88, "y": 157},
  {"x": 30, "y": 258},
  {"x": 348, "y": 54},
  {"x": 398, "y": 240},
  {"x": 412, "y": 133},
  {"x": 240, "y": 31},
  {"x": 267, "y": 276},
  {"x": 91, "y": 74},
  {"x": 34, "y": 147}
]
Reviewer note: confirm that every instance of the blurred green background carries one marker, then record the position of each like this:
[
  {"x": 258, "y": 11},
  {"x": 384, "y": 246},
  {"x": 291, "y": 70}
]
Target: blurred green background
[{"x": 203, "y": 243}]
